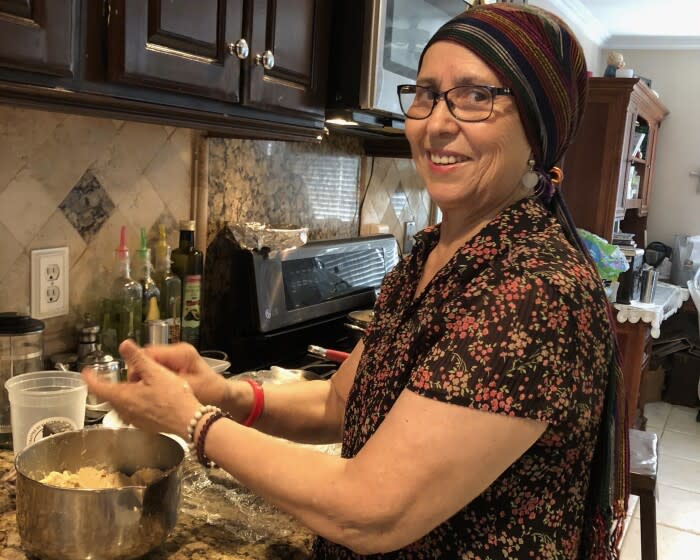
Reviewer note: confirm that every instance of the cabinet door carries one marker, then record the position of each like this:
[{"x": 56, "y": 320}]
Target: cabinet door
[
  {"x": 645, "y": 187},
  {"x": 296, "y": 34},
  {"x": 177, "y": 45},
  {"x": 38, "y": 35}
]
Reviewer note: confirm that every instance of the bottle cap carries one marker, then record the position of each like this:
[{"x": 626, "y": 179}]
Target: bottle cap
[
  {"x": 143, "y": 252},
  {"x": 122, "y": 251},
  {"x": 162, "y": 243},
  {"x": 187, "y": 225}
]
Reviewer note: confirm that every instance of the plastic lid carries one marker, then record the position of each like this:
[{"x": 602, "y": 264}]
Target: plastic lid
[
  {"x": 14, "y": 323},
  {"x": 122, "y": 251},
  {"x": 162, "y": 243},
  {"x": 143, "y": 251},
  {"x": 187, "y": 225}
]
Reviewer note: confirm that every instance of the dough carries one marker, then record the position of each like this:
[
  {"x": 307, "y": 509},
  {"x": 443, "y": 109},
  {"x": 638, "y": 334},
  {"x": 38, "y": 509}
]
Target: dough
[{"x": 94, "y": 478}]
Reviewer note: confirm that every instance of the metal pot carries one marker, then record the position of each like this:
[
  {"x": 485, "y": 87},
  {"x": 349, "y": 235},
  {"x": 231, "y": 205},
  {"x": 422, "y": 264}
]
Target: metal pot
[
  {"x": 357, "y": 323},
  {"x": 123, "y": 523}
]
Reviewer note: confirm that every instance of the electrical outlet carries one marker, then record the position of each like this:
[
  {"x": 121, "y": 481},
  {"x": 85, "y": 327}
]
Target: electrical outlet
[
  {"x": 409, "y": 230},
  {"x": 49, "y": 282}
]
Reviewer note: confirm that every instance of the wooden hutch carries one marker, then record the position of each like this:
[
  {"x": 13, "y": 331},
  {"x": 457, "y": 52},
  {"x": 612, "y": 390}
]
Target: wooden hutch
[{"x": 608, "y": 177}]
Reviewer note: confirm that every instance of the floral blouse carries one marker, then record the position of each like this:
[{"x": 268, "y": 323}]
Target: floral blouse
[{"x": 514, "y": 324}]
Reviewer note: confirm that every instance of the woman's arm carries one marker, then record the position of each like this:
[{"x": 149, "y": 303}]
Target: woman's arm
[
  {"x": 427, "y": 460},
  {"x": 306, "y": 412}
]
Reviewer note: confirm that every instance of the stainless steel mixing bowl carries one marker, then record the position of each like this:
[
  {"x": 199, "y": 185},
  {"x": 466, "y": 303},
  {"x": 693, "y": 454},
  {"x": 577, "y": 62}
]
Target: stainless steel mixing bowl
[{"x": 68, "y": 523}]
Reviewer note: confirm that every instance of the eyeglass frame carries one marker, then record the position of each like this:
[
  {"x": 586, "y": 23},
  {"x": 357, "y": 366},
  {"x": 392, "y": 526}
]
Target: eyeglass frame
[{"x": 494, "y": 91}]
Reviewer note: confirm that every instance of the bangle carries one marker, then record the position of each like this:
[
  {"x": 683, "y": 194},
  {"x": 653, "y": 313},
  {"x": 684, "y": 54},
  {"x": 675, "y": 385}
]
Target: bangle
[
  {"x": 258, "y": 403},
  {"x": 201, "y": 456},
  {"x": 201, "y": 411}
]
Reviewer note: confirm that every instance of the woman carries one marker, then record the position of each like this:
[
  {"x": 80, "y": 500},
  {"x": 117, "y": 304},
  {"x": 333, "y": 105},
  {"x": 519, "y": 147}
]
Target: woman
[{"x": 469, "y": 414}]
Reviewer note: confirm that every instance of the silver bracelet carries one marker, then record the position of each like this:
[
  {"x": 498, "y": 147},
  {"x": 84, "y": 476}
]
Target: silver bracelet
[{"x": 201, "y": 411}]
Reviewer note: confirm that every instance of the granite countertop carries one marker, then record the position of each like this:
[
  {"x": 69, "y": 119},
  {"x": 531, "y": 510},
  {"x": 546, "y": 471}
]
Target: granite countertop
[{"x": 218, "y": 520}]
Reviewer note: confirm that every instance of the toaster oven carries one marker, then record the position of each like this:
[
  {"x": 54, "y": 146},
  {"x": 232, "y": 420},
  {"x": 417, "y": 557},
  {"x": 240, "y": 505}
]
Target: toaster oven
[{"x": 259, "y": 305}]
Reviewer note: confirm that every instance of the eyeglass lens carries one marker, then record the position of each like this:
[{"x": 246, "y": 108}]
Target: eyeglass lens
[{"x": 467, "y": 103}]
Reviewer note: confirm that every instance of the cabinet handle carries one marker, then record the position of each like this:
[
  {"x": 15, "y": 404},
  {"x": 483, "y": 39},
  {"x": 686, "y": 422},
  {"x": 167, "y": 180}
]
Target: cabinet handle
[
  {"x": 239, "y": 48},
  {"x": 267, "y": 59}
]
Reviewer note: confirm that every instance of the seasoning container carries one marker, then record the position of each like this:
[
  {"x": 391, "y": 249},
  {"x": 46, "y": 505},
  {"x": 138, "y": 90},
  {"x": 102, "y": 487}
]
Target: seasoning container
[{"x": 109, "y": 369}]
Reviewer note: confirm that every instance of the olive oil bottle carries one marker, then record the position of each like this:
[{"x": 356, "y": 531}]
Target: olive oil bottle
[
  {"x": 121, "y": 310},
  {"x": 169, "y": 285},
  {"x": 188, "y": 264},
  {"x": 142, "y": 273}
]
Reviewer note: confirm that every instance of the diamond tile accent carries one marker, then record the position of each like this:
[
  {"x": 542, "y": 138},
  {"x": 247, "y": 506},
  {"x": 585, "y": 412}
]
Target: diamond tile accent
[{"x": 87, "y": 206}]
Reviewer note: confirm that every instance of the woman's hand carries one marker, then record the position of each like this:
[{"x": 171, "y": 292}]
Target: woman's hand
[
  {"x": 155, "y": 399},
  {"x": 208, "y": 386}
]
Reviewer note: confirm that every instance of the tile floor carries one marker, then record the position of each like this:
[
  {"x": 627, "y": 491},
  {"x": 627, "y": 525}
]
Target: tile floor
[{"x": 678, "y": 485}]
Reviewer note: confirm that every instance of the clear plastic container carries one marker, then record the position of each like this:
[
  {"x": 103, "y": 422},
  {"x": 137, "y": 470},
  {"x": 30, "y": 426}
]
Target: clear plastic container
[{"x": 43, "y": 403}]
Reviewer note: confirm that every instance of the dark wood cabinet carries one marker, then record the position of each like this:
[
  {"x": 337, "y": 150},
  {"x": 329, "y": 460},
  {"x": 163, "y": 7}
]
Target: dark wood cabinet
[
  {"x": 269, "y": 54},
  {"x": 604, "y": 180},
  {"x": 38, "y": 35},
  {"x": 177, "y": 45},
  {"x": 244, "y": 68},
  {"x": 295, "y": 35}
]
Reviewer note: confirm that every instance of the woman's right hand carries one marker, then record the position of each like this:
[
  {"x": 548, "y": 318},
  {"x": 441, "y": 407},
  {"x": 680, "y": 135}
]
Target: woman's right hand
[{"x": 208, "y": 386}]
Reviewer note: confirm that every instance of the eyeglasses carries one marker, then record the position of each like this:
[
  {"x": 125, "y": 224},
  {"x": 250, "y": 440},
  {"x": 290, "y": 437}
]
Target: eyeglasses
[{"x": 466, "y": 103}]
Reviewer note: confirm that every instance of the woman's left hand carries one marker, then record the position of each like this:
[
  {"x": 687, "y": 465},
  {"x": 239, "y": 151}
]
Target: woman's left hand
[{"x": 160, "y": 401}]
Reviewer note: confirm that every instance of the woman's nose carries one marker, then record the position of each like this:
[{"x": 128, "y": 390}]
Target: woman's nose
[{"x": 441, "y": 119}]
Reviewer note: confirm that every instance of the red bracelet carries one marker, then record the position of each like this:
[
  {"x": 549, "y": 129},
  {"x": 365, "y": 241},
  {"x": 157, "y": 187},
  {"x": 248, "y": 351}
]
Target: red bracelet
[{"x": 258, "y": 403}]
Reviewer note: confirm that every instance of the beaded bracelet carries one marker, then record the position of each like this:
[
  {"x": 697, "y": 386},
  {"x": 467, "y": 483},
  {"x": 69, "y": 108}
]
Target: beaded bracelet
[
  {"x": 201, "y": 456},
  {"x": 201, "y": 411},
  {"x": 258, "y": 403}
]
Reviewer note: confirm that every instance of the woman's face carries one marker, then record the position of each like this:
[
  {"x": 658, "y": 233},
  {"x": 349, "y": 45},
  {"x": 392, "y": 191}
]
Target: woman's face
[{"x": 468, "y": 166}]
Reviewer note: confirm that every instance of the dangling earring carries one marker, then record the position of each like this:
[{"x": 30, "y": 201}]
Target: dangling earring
[{"x": 530, "y": 179}]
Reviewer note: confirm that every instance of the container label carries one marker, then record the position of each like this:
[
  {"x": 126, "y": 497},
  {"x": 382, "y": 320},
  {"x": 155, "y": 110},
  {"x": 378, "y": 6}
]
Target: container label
[
  {"x": 49, "y": 426},
  {"x": 191, "y": 304}
]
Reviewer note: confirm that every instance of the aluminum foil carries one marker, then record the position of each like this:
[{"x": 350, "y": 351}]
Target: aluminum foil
[{"x": 268, "y": 237}]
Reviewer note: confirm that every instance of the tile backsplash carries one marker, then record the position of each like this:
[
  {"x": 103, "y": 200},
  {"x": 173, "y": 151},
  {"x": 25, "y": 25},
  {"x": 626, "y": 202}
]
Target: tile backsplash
[
  {"x": 69, "y": 180},
  {"x": 323, "y": 186}
]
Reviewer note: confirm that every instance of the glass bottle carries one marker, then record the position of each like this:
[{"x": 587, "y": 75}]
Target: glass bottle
[
  {"x": 170, "y": 287},
  {"x": 142, "y": 273},
  {"x": 188, "y": 264},
  {"x": 122, "y": 309}
]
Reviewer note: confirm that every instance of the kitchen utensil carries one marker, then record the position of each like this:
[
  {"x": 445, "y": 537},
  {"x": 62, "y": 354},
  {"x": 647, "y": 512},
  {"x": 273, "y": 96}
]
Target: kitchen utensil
[
  {"x": 43, "y": 403},
  {"x": 120, "y": 523},
  {"x": 21, "y": 351},
  {"x": 332, "y": 355}
]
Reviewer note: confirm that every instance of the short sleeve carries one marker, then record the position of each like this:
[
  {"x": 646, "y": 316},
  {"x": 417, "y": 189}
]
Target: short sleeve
[{"x": 509, "y": 349}]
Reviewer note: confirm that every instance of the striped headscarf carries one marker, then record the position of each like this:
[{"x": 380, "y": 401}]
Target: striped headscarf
[{"x": 535, "y": 54}]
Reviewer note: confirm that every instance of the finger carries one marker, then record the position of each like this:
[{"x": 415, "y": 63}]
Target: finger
[
  {"x": 173, "y": 356},
  {"x": 139, "y": 364}
]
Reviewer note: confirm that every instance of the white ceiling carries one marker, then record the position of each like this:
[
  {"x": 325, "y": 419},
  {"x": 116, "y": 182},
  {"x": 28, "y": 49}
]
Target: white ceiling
[{"x": 641, "y": 23}]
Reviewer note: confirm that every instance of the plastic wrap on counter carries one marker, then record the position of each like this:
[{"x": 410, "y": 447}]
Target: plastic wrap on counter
[
  {"x": 267, "y": 237},
  {"x": 218, "y": 499}
]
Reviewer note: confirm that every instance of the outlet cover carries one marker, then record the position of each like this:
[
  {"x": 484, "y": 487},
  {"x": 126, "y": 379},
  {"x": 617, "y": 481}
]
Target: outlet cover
[{"x": 49, "y": 274}]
